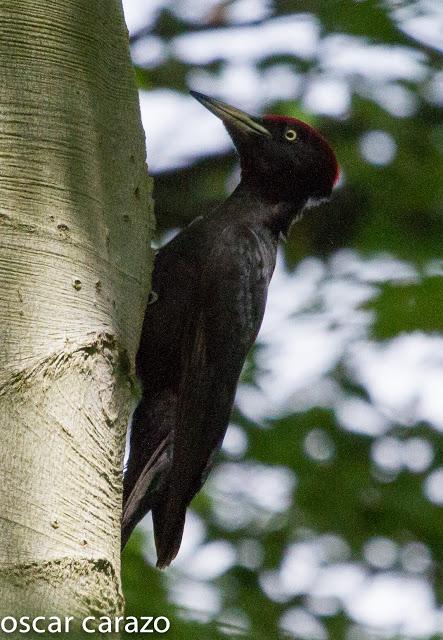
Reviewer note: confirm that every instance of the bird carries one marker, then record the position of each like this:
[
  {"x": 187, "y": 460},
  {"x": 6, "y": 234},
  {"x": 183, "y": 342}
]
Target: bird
[{"x": 209, "y": 289}]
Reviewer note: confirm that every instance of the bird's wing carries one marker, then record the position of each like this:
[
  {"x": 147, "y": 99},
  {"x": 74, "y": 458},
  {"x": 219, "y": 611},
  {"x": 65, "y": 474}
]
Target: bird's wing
[
  {"x": 229, "y": 306},
  {"x": 157, "y": 369}
]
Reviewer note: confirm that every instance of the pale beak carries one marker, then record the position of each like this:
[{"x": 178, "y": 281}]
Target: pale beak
[{"x": 232, "y": 117}]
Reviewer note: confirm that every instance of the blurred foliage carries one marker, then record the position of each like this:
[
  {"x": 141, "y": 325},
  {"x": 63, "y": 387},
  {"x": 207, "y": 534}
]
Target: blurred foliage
[
  {"x": 417, "y": 307},
  {"x": 390, "y": 208}
]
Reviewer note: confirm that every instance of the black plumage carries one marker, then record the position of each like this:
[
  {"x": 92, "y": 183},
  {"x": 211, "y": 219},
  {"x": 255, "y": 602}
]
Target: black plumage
[{"x": 209, "y": 294}]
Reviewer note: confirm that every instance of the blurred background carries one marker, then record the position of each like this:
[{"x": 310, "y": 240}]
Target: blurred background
[{"x": 323, "y": 518}]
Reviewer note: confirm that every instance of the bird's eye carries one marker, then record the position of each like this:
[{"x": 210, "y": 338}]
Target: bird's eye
[{"x": 290, "y": 135}]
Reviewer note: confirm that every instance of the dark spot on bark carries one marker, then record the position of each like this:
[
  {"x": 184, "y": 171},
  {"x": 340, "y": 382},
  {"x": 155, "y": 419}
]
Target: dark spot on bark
[{"x": 4, "y": 217}]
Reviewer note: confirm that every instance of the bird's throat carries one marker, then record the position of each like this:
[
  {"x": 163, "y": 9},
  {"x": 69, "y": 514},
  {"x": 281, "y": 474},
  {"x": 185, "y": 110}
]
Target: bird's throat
[{"x": 253, "y": 205}]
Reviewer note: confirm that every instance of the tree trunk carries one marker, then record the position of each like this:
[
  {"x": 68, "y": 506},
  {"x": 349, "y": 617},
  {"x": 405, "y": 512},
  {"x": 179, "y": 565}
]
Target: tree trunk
[{"x": 75, "y": 222}]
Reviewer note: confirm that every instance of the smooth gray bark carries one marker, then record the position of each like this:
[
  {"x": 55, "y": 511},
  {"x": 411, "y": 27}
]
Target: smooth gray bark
[{"x": 75, "y": 225}]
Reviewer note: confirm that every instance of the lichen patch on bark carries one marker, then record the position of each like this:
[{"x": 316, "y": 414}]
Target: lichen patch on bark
[{"x": 81, "y": 586}]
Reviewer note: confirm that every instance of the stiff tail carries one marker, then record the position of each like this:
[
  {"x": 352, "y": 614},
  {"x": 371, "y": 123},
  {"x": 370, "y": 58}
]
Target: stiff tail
[
  {"x": 140, "y": 496},
  {"x": 168, "y": 532}
]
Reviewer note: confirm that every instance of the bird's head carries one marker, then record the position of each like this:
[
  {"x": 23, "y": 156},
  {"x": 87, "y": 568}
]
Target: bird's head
[{"x": 284, "y": 159}]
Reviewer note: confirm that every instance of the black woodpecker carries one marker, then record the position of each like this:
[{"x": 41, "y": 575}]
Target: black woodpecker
[{"x": 208, "y": 297}]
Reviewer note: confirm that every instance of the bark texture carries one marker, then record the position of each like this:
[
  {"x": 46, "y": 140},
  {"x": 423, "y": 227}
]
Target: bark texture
[{"x": 75, "y": 222}]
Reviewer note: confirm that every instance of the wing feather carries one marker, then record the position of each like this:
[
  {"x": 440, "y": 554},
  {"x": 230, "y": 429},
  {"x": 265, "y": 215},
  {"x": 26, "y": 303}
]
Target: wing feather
[{"x": 228, "y": 309}]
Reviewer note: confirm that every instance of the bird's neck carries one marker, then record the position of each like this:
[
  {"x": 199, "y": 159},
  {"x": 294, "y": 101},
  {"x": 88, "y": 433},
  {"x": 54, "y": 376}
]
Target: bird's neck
[{"x": 254, "y": 206}]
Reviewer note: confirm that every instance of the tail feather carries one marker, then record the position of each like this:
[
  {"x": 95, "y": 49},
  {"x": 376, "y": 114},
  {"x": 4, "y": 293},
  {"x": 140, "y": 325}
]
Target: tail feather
[
  {"x": 141, "y": 497},
  {"x": 168, "y": 532}
]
